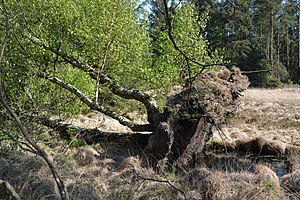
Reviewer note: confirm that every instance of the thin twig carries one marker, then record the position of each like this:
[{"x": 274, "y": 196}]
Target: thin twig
[
  {"x": 10, "y": 189},
  {"x": 60, "y": 184},
  {"x": 74, "y": 186},
  {"x": 68, "y": 147},
  {"x": 162, "y": 181},
  {"x": 100, "y": 70}
]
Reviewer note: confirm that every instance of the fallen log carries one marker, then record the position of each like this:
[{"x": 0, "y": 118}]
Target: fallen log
[
  {"x": 186, "y": 123},
  {"x": 7, "y": 191},
  {"x": 92, "y": 136}
]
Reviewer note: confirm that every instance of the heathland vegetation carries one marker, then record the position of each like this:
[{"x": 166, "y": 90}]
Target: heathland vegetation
[{"x": 127, "y": 99}]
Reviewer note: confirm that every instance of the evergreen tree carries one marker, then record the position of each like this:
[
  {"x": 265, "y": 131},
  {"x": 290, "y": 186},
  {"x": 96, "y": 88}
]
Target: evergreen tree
[{"x": 249, "y": 33}]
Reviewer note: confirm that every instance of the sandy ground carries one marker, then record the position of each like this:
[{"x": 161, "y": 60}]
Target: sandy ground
[{"x": 271, "y": 114}]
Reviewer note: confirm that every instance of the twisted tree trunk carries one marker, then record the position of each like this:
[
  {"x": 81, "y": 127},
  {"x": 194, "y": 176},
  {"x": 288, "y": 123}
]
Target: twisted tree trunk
[{"x": 182, "y": 129}]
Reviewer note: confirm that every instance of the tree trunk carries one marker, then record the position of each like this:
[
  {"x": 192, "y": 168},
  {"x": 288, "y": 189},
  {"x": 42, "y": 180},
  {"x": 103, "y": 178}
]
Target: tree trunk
[
  {"x": 186, "y": 123},
  {"x": 272, "y": 42},
  {"x": 298, "y": 71},
  {"x": 287, "y": 49}
]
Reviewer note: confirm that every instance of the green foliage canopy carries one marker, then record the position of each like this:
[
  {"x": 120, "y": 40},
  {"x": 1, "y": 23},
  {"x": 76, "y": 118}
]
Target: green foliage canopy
[
  {"x": 105, "y": 34},
  {"x": 168, "y": 63}
]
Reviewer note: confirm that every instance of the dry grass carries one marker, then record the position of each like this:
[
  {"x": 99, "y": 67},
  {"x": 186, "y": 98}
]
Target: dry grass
[
  {"x": 89, "y": 176},
  {"x": 267, "y": 119},
  {"x": 100, "y": 121},
  {"x": 217, "y": 185},
  {"x": 291, "y": 185},
  {"x": 29, "y": 176}
]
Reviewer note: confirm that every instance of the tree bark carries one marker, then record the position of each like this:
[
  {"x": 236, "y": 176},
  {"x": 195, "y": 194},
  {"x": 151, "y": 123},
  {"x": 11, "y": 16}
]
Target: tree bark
[
  {"x": 153, "y": 112},
  {"x": 12, "y": 193},
  {"x": 298, "y": 71},
  {"x": 88, "y": 101},
  {"x": 37, "y": 149},
  {"x": 272, "y": 41}
]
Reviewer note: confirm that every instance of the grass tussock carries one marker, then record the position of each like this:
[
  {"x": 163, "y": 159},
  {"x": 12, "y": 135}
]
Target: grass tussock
[
  {"x": 89, "y": 175},
  {"x": 29, "y": 175},
  {"x": 217, "y": 185},
  {"x": 291, "y": 185},
  {"x": 268, "y": 122}
]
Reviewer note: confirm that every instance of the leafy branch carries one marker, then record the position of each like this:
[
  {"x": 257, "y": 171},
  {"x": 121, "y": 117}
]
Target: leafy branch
[
  {"x": 83, "y": 98},
  {"x": 31, "y": 144},
  {"x": 127, "y": 93},
  {"x": 186, "y": 57}
]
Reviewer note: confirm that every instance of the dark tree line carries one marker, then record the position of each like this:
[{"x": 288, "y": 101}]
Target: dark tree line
[
  {"x": 255, "y": 35},
  {"x": 251, "y": 34}
]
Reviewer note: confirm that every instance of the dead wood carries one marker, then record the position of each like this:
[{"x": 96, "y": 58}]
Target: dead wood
[
  {"x": 91, "y": 136},
  {"x": 193, "y": 113},
  {"x": 36, "y": 148},
  {"x": 7, "y": 191}
]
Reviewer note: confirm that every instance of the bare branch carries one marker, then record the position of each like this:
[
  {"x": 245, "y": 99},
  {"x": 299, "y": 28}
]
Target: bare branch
[
  {"x": 162, "y": 181},
  {"x": 127, "y": 93},
  {"x": 256, "y": 71},
  {"x": 169, "y": 26},
  {"x": 60, "y": 184},
  {"x": 83, "y": 98},
  {"x": 100, "y": 70},
  {"x": 187, "y": 58},
  {"x": 10, "y": 189},
  {"x": 4, "y": 44}
]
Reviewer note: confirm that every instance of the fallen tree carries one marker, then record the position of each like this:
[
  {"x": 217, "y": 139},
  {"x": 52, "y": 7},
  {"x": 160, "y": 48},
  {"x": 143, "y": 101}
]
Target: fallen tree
[
  {"x": 189, "y": 115},
  {"x": 177, "y": 132},
  {"x": 181, "y": 130}
]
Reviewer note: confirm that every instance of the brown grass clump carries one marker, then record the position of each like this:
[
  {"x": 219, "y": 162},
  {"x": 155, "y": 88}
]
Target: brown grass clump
[
  {"x": 195, "y": 178},
  {"x": 130, "y": 163},
  {"x": 266, "y": 173},
  {"x": 291, "y": 185},
  {"x": 86, "y": 189},
  {"x": 294, "y": 160},
  {"x": 227, "y": 186},
  {"x": 86, "y": 156},
  {"x": 29, "y": 175},
  {"x": 261, "y": 145}
]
